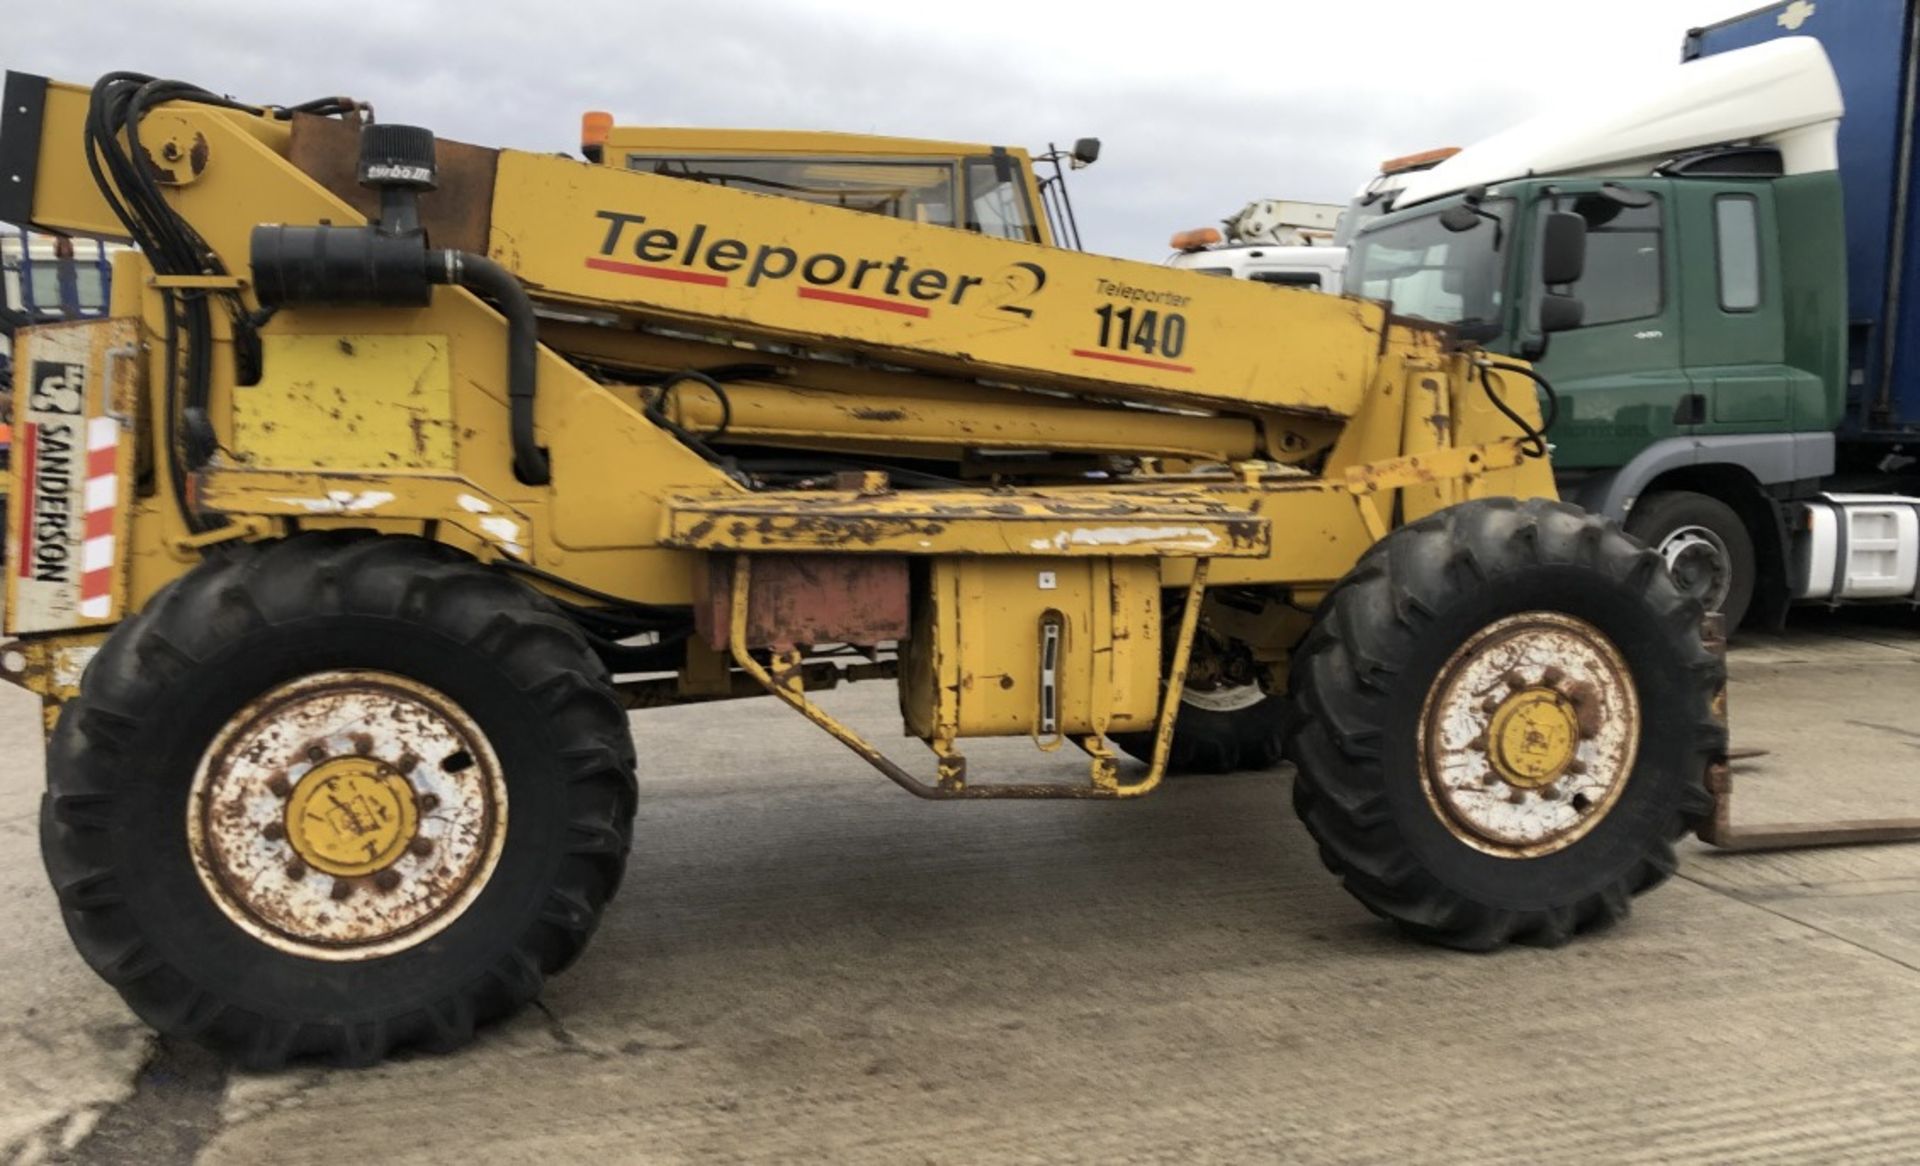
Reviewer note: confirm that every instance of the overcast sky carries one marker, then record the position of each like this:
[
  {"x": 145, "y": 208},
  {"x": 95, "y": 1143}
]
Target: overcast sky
[{"x": 1201, "y": 105}]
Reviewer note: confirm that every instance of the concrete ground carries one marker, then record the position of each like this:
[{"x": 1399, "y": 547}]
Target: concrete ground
[{"x": 807, "y": 964}]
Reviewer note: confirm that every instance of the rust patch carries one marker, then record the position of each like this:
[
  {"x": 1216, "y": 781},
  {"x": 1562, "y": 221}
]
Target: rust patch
[
  {"x": 457, "y": 214},
  {"x": 810, "y": 599}
]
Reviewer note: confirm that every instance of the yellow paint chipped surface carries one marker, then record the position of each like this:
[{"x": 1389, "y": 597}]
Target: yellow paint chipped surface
[{"x": 337, "y": 402}]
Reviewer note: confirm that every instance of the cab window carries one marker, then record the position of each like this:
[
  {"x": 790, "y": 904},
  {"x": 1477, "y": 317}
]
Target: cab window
[
  {"x": 919, "y": 192},
  {"x": 997, "y": 201},
  {"x": 1623, "y": 274},
  {"x": 1306, "y": 279},
  {"x": 1736, "y": 225}
]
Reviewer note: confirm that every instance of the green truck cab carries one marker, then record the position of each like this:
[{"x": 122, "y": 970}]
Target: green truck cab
[{"x": 1701, "y": 360}]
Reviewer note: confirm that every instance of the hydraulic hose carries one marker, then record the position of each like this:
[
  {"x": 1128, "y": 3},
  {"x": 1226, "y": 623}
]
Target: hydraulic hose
[
  {"x": 1536, "y": 439},
  {"x": 497, "y": 286}
]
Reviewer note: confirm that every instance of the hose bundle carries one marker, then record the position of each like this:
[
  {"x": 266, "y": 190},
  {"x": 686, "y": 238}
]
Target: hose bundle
[{"x": 129, "y": 183}]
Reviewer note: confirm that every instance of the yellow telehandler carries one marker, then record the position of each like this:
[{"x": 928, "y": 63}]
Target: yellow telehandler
[{"x": 340, "y": 550}]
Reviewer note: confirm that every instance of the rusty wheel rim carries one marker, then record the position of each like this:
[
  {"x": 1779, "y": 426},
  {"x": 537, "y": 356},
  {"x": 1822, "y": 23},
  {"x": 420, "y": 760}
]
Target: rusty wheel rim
[
  {"x": 1528, "y": 735},
  {"x": 347, "y": 815}
]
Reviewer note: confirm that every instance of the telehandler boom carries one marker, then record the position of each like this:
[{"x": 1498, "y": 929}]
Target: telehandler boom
[{"x": 340, "y": 550}]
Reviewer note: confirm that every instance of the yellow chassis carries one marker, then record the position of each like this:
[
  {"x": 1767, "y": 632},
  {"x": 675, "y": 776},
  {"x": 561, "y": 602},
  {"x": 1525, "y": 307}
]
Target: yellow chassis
[{"x": 1284, "y": 434}]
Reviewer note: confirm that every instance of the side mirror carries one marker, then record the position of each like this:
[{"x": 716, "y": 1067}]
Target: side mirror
[
  {"x": 1559, "y": 313},
  {"x": 1086, "y": 151},
  {"x": 1459, "y": 219},
  {"x": 1563, "y": 248}
]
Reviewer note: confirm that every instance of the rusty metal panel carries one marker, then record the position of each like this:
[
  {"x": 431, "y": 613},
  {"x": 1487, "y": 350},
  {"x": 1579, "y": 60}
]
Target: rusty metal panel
[
  {"x": 983, "y": 643},
  {"x": 1073, "y": 523},
  {"x": 810, "y": 599},
  {"x": 456, "y": 215}
]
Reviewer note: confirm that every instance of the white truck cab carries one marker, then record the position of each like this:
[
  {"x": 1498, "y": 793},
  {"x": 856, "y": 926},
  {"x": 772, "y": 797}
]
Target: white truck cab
[
  {"x": 1314, "y": 268},
  {"x": 1269, "y": 240}
]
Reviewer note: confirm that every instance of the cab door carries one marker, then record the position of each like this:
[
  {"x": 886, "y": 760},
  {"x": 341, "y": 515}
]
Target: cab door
[
  {"x": 1619, "y": 374},
  {"x": 1734, "y": 349}
]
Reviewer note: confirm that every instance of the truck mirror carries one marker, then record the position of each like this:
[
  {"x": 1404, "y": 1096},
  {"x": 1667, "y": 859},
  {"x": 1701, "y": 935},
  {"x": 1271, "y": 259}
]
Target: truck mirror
[
  {"x": 1086, "y": 151},
  {"x": 1559, "y": 313},
  {"x": 1563, "y": 248},
  {"x": 1459, "y": 218}
]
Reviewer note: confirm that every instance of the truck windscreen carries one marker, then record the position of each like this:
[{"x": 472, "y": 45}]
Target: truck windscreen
[{"x": 1426, "y": 271}]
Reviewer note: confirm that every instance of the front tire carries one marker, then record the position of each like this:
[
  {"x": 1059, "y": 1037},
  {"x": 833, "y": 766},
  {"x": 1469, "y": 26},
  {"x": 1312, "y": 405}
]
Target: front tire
[
  {"x": 1704, "y": 544},
  {"x": 336, "y": 796},
  {"x": 1505, "y": 724}
]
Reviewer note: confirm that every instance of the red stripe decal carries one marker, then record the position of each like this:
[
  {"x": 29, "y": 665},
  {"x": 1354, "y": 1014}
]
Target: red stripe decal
[
  {"x": 99, "y": 524},
  {"x": 669, "y": 273},
  {"x": 820, "y": 293},
  {"x": 1139, "y": 360},
  {"x": 94, "y": 584},
  {"x": 29, "y": 448},
  {"x": 102, "y": 463}
]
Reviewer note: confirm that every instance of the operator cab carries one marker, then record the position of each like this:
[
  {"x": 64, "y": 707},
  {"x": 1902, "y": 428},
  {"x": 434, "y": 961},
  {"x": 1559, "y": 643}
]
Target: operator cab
[{"x": 992, "y": 190}]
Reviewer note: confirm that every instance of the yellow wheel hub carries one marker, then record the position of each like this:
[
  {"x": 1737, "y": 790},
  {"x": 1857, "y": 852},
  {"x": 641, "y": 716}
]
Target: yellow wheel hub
[
  {"x": 1533, "y": 737},
  {"x": 351, "y": 816}
]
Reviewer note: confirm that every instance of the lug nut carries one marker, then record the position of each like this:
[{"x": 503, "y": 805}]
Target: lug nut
[
  {"x": 273, "y": 831},
  {"x": 341, "y": 889},
  {"x": 387, "y": 879},
  {"x": 421, "y": 847},
  {"x": 296, "y": 870}
]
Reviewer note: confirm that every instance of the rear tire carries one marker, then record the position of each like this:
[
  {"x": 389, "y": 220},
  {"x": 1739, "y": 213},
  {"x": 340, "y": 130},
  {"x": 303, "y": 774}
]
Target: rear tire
[
  {"x": 1704, "y": 544},
  {"x": 278, "y": 878},
  {"x": 1466, "y": 697}
]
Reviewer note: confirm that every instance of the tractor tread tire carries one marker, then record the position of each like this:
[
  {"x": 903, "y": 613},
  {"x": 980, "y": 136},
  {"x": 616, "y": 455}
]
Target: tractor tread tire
[
  {"x": 1346, "y": 675},
  {"x": 242, "y": 597}
]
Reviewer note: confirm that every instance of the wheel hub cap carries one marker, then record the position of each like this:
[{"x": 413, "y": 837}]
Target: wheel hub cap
[
  {"x": 347, "y": 815},
  {"x": 351, "y": 816},
  {"x": 1700, "y": 563},
  {"x": 1533, "y": 737},
  {"x": 1529, "y": 734}
]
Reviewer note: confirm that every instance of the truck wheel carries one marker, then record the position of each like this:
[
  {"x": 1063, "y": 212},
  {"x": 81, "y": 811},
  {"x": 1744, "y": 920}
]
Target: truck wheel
[
  {"x": 1505, "y": 724},
  {"x": 334, "y": 796},
  {"x": 1705, "y": 545}
]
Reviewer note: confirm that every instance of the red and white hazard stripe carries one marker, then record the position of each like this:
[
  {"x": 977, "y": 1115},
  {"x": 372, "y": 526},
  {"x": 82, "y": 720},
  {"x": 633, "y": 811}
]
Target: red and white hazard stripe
[{"x": 103, "y": 497}]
